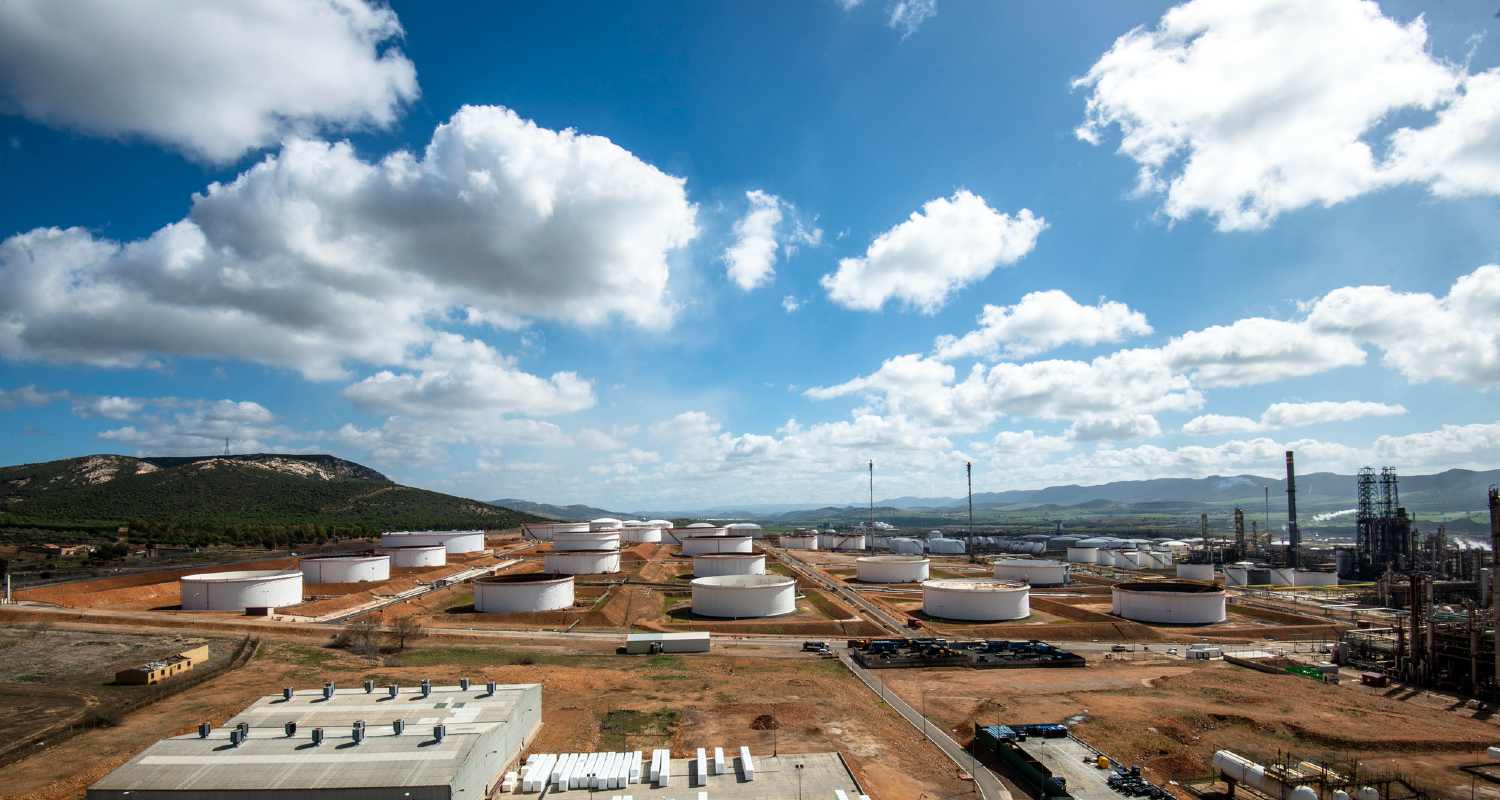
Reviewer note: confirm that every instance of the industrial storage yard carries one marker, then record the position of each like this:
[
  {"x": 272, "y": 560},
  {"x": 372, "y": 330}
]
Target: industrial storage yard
[{"x": 887, "y": 651}]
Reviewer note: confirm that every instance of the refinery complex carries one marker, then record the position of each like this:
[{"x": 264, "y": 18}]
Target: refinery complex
[{"x": 926, "y": 627}]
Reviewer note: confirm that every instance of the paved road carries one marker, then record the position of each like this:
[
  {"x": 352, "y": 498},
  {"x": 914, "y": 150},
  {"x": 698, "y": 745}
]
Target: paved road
[
  {"x": 988, "y": 784},
  {"x": 871, "y": 612}
]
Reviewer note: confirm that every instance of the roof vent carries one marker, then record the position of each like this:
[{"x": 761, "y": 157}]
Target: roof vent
[
  {"x": 393, "y": 690},
  {"x": 463, "y": 683},
  {"x": 398, "y": 726},
  {"x": 203, "y": 730},
  {"x": 317, "y": 736},
  {"x": 438, "y": 732},
  {"x": 286, "y": 694},
  {"x": 359, "y": 734},
  {"x": 490, "y": 686},
  {"x": 291, "y": 729},
  {"x": 235, "y": 737},
  {"x": 426, "y": 687},
  {"x": 328, "y": 690},
  {"x": 369, "y": 686}
]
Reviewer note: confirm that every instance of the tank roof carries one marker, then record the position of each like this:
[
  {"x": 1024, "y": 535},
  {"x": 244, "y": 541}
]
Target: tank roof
[
  {"x": 526, "y": 577},
  {"x": 244, "y": 575},
  {"x": 1180, "y": 587},
  {"x": 975, "y": 585},
  {"x": 745, "y": 581}
]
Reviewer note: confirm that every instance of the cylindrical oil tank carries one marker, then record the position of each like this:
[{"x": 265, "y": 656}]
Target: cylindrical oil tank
[
  {"x": 1169, "y": 602},
  {"x": 891, "y": 569},
  {"x": 715, "y": 564},
  {"x": 855, "y": 542},
  {"x": 741, "y": 596},
  {"x": 1310, "y": 577},
  {"x": 1235, "y": 575},
  {"x": 1195, "y": 572},
  {"x": 745, "y": 529},
  {"x": 1035, "y": 571},
  {"x": 527, "y": 593},
  {"x": 581, "y": 562},
  {"x": 417, "y": 555},
  {"x": 1283, "y": 576},
  {"x": 800, "y": 541},
  {"x": 976, "y": 600},
  {"x": 546, "y": 530},
  {"x": 237, "y": 591},
  {"x": 457, "y": 542},
  {"x": 647, "y": 534},
  {"x": 605, "y": 524},
  {"x": 703, "y": 545},
  {"x": 942, "y": 546},
  {"x": 346, "y": 569},
  {"x": 1083, "y": 555},
  {"x": 1129, "y": 559},
  {"x": 590, "y": 540},
  {"x": 905, "y": 545}
]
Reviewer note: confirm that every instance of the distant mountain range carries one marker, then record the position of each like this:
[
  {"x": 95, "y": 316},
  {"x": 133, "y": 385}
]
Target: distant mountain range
[
  {"x": 1317, "y": 492},
  {"x": 1453, "y": 489},
  {"x": 239, "y": 491}
]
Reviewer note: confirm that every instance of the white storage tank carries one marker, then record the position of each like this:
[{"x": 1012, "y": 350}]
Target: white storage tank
[
  {"x": 976, "y": 599},
  {"x": 703, "y": 545},
  {"x": 1283, "y": 576},
  {"x": 1083, "y": 555},
  {"x": 941, "y": 546},
  {"x": 1128, "y": 559},
  {"x": 905, "y": 545},
  {"x": 800, "y": 541},
  {"x": 1309, "y": 577},
  {"x": 527, "y": 593},
  {"x": 544, "y": 531},
  {"x": 1236, "y": 575},
  {"x": 643, "y": 533},
  {"x": 457, "y": 542},
  {"x": 346, "y": 569},
  {"x": 1195, "y": 572},
  {"x": 744, "y": 596},
  {"x": 745, "y": 529},
  {"x": 605, "y": 524},
  {"x": 581, "y": 562},
  {"x": 892, "y": 569},
  {"x": 237, "y": 591},
  {"x": 417, "y": 556},
  {"x": 715, "y": 564},
  {"x": 588, "y": 540},
  {"x": 1169, "y": 602},
  {"x": 1035, "y": 571}
]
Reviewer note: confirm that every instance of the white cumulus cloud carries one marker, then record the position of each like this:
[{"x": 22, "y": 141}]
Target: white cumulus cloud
[
  {"x": 314, "y": 257},
  {"x": 950, "y": 243},
  {"x": 1247, "y": 110},
  {"x": 1292, "y": 415},
  {"x": 212, "y": 79},
  {"x": 1042, "y": 321}
]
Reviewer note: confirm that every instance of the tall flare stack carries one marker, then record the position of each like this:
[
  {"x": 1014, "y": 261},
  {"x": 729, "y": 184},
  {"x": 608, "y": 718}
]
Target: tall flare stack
[
  {"x": 1293, "y": 535},
  {"x": 1495, "y": 573}
]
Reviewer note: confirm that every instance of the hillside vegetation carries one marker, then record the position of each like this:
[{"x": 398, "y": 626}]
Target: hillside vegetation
[{"x": 260, "y": 498}]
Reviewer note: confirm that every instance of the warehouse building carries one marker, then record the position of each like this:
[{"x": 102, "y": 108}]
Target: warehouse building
[{"x": 414, "y": 743}]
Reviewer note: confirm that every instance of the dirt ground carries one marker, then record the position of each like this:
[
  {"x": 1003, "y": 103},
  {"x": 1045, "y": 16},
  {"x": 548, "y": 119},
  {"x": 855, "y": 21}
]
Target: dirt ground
[
  {"x": 695, "y": 701},
  {"x": 651, "y": 592},
  {"x": 52, "y": 678},
  {"x": 1169, "y": 718}
]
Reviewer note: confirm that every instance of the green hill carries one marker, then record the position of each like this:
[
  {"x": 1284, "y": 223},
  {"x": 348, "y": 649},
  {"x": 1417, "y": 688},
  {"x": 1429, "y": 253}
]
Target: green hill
[{"x": 227, "y": 499}]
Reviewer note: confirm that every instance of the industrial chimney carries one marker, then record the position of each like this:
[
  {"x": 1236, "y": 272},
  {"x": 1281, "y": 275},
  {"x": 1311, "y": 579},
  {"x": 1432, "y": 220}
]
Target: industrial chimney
[
  {"x": 1495, "y": 572},
  {"x": 1293, "y": 536}
]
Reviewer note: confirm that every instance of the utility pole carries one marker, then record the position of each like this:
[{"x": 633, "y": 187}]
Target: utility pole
[{"x": 969, "y": 476}]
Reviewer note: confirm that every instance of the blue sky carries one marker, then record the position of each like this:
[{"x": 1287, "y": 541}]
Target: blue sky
[{"x": 1206, "y": 232}]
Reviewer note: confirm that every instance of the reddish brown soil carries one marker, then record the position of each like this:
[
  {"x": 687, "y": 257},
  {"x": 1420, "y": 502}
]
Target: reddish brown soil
[
  {"x": 818, "y": 708},
  {"x": 1170, "y": 717}
]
